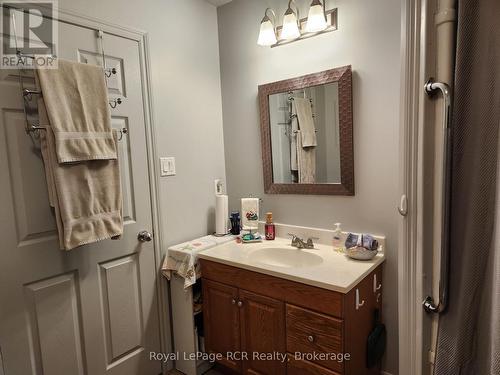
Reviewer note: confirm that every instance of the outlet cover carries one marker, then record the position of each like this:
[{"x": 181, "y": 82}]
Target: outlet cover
[
  {"x": 219, "y": 186},
  {"x": 167, "y": 166}
]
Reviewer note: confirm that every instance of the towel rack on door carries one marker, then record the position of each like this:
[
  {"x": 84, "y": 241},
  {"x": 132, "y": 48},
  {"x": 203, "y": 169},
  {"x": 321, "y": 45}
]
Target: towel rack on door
[
  {"x": 429, "y": 304},
  {"x": 27, "y": 94}
]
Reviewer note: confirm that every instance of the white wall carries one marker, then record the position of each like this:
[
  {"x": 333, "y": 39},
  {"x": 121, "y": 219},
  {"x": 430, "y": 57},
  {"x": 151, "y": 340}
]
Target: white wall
[
  {"x": 369, "y": 39},
  {"x": 187, "y": 102}
]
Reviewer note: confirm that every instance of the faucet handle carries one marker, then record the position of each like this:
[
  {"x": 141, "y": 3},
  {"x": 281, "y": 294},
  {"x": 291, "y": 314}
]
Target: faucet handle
[
  {"x": 310, "y": 243},
  {"x": 296, "y": 241}
]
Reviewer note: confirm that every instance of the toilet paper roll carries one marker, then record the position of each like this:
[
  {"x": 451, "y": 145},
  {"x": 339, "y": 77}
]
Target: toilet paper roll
[{"x": 221, "y": 214}]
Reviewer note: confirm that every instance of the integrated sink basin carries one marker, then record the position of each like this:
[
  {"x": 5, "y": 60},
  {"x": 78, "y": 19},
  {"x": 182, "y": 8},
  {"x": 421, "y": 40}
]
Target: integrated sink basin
[
  {"x": 286, "y": 257},
  {"x": 321, "y": 267}
]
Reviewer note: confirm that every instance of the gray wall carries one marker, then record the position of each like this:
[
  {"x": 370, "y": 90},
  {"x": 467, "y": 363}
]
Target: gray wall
[
  {"x": 369, "y": 39},
  {"x": 184, "y": 53}
]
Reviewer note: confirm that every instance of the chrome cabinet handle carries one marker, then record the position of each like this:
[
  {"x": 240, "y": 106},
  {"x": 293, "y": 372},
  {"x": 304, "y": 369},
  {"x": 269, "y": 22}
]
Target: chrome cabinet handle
[
  {"x": 376, "y": 286},
  {"x": 233, "y": 301},
  {"x": 310, "y": 338},
  {"x": 240, "y": 303},
  {"x": 358, "y": 303},
  {"x": 144, "y": 236}
]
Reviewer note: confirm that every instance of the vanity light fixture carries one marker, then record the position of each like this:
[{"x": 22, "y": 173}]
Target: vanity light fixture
[
  {"x": 319, "y": 21},
  {"x": 291, "y": 26},
  {"x": 267, "y": 33},
  {"x": 316, "y": 19}
]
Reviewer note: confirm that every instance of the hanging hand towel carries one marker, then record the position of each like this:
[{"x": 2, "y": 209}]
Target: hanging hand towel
[
  {"x": 86, "y": 196},
  {"x": 293, "y": 139},
  {"x": 76, "y": 100},
  {"x": 306, "y": 122},
  {"x": 306, "y": 161},
  {"x": 250, "y": 213}
]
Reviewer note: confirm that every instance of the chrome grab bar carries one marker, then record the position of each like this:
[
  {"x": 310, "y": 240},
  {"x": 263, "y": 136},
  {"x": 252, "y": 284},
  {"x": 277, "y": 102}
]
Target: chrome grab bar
[{"x": 429, "y": 305}]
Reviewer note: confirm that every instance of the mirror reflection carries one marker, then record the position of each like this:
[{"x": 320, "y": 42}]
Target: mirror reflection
[{"x": 305, "y": 137}]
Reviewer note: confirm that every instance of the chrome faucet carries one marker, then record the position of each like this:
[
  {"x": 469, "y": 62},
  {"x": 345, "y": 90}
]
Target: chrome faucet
[{"x": 299, "y": 243}]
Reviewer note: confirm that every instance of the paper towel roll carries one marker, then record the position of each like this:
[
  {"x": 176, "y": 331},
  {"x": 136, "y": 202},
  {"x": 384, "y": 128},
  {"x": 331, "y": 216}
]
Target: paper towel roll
[{"x": 221, "y": 214}]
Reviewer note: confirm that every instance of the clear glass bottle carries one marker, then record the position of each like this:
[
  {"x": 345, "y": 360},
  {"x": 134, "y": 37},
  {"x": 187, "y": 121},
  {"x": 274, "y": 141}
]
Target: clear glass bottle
[
  {"x": 269, "y": 227},
  {"x": 338, "y": 238}
]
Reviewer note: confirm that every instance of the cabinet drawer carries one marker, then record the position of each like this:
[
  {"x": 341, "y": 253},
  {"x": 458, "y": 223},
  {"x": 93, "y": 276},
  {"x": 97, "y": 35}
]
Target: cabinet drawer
[
  {"x": 300, "y": 367},
  {"x": 315, "y": 334}
]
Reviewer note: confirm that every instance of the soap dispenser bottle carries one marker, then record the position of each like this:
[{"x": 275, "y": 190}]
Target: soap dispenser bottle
[
  {"x": 338, "y": 238},
  {"x": 270, "y": 228}
]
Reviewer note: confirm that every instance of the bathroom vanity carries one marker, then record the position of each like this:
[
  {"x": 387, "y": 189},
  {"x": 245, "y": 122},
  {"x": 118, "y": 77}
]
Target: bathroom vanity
[{"x": 270, "y": 299}]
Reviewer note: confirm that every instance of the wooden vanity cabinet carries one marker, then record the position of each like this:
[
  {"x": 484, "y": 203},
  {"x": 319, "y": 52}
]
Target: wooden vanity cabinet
[
  {"x": 221, "y": 321},
  {"x": 250, "y": 312}
]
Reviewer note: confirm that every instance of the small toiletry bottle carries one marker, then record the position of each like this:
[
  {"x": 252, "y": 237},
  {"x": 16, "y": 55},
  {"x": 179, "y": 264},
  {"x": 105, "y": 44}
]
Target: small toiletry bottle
[
  {"x": 338, "y": 238},
  {"x": 270, "y": 229},
  {"x": 235, "y": 223}
]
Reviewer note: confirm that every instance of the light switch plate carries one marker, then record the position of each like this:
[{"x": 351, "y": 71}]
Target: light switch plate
[
  {"x": 219, "y": 186},
  {"x": 167, "y": 166}
]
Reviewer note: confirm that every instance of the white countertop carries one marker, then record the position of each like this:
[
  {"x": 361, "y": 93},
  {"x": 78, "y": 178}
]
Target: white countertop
[{"x": 334, "y": 271}]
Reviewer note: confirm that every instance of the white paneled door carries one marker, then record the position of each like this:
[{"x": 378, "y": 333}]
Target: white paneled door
[{"x": 93, "y": 310}]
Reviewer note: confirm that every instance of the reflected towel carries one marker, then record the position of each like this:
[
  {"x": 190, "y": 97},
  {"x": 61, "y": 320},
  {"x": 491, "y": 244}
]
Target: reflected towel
[
  {"x": 76, "y": 103},
  {"x": 86, "y": 196},
  {"x": 361, "y": 240},
  {"x": 306, "y": 160},
  {"x": 306, "y": 122},
  {"x": 293, "y": 140}
]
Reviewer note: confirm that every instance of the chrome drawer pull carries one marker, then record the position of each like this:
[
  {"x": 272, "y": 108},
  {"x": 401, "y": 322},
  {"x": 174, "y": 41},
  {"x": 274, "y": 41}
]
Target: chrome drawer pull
[
  {"x": 358, "y": 304},
  {"x": 375, "y": 286},
  {"x": 240, "y": 303},
  {"x": 233, "y": 301},
  {"x": 310, "y": 338}
]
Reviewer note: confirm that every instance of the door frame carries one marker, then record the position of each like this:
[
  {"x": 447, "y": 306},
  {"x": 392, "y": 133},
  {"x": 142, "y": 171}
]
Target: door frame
[
  {"x": 411, "y": 273},
  {"x": 142, "y": 38}
]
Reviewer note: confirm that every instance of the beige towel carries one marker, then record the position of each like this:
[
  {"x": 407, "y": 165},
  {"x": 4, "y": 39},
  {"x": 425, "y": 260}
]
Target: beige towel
[
  {"x": 306, "y": 122},
  {"x": 86, "y": 196},
  {"x": 306, "y": 160},
  {"x": 76, "y": 100},
  {"x": 293, "y": 140}
]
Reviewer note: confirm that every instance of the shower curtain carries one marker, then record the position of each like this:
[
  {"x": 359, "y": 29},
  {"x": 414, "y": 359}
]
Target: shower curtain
[{"x": 469, "y": 330}]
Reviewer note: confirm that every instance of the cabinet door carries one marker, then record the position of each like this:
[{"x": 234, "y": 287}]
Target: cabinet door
[
  {"x": 262, "y": 333},
  {"x": 222, "y": 321},
  {"x": 359, "y": 324}
]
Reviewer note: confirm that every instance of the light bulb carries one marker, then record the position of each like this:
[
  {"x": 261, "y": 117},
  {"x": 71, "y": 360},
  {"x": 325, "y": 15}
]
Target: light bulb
[
  {"x": 316, "y": 20},
  {"x": 267, "y": 33},
  {"x": 267, "y": 36},
  {"x": 290, "y": 26}
]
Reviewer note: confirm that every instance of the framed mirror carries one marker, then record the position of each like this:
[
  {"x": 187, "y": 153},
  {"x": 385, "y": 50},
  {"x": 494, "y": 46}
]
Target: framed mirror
[{"x": 307, "y": 134}]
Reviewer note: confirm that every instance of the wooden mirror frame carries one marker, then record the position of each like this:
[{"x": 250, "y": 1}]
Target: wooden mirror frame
[{"x": 343, "y": 76}]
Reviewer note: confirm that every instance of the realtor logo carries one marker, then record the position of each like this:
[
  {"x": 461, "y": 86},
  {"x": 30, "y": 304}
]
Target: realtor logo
[{"x": 29, "y": 34}]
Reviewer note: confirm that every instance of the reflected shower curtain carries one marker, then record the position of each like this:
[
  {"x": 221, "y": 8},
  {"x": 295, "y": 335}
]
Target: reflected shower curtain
[{"x": 469, "y": 330}]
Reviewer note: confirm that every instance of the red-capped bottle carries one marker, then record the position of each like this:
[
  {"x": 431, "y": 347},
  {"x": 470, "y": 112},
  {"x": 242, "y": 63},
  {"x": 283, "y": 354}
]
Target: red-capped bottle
[{"x": 270, "y": 228}]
